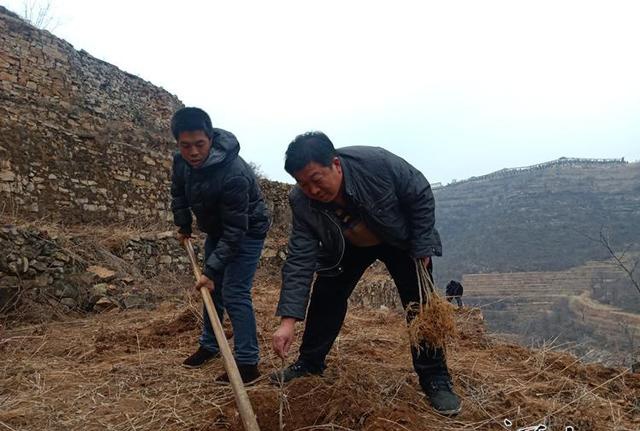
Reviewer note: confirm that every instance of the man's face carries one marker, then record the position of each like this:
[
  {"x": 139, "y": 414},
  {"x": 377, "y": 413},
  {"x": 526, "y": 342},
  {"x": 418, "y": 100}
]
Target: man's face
[
  {"x": 194, "y": 147},
  {"x": 320, "y": 183}
]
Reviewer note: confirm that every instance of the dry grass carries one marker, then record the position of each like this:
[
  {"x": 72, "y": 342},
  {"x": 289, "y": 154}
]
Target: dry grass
[
  {"x": 120, "y": 371},
  {"x": 431, "y": 321}
]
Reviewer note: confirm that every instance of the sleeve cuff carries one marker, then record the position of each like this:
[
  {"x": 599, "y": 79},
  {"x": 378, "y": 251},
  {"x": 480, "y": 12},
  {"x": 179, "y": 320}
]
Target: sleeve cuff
[
  {"x": 210, "y": 272},
  {"x": 185, "y": 230}
]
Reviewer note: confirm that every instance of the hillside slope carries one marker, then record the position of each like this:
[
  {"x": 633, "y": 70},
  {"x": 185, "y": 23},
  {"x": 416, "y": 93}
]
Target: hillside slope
[
  {"x": 83, "y": 349},
  {"x": 537, "y": 219},
  {"x": 120, "y": 370}
]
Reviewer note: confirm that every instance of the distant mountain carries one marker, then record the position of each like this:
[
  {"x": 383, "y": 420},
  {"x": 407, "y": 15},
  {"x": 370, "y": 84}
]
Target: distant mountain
[{"x": 537, "y": 218}]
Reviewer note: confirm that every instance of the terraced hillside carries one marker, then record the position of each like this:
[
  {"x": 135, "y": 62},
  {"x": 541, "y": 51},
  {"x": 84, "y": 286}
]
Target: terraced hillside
[{"x": 592, "y": 307}]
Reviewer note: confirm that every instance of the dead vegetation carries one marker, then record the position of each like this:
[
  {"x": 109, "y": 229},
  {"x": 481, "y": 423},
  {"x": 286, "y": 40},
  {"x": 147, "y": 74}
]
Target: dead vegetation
[
  {"x": 432, "y": 319},
  {"x": 120, "y": 370}
]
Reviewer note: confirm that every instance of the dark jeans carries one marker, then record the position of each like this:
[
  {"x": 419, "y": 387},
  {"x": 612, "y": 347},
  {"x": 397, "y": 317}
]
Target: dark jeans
[
  {"x": 233, "y": 293},
  {"x": 328, "y": 307}
]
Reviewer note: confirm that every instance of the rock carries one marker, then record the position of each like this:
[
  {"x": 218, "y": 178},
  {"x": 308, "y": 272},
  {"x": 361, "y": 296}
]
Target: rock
[
  {"x": 38, "y": 265},
  {"x": 134, "y": 301},
  {"x": 148, "y": 236},
  {"x": 12, "y": 267},
  {"x": 24, "y": 264},
  {"x": 99, "y": 290},
  {"x": 70, "y": 291},
  {"x": 61, "y": 256},
  {"x": 48, "y": 249},
  {"x": 96, "y": 293},
  {"x": 10, "y": 229},
  {"x": 102, "y": 273},
  {"x": 104, "y": 304},
  {"x": 19, "y": 266},
  {"x": 165, "y": 259},
  {"x": 7, "y": 176},
  {"x": 58, "y": 288},
  {"x": 268, "y": 253},
  {"x": 166, "y": 234},
  {"x": 41, "y": 280},
  {"x": 71, "y": 303},
  {"x": 9, "y": 281}
]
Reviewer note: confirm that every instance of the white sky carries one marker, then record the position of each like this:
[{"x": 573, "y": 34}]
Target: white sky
[{"x": 457, "y": 88}]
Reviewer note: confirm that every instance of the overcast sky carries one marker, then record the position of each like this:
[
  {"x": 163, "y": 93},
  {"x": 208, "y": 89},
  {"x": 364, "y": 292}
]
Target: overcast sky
[{"x": 457, "y": 88}]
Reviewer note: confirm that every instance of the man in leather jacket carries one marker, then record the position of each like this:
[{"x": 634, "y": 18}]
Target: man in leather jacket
[
  {"x": 352, "y": 206},
  {"x": 211, "y": 180}
]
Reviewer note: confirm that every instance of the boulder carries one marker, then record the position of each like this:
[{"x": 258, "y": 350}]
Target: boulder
[{"x": 101, "y": 273}]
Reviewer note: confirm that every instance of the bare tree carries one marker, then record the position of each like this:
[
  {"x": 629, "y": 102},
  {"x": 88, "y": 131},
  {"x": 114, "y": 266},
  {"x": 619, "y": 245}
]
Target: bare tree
[
  {"x": 628, "y": 267},
  {"x": 257, "y": 169},
  {"x": 39, "y": 14}
]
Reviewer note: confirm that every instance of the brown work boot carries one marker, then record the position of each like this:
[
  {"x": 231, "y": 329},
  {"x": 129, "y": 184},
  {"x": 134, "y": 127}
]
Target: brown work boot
[{"x": 248, "y": 373}]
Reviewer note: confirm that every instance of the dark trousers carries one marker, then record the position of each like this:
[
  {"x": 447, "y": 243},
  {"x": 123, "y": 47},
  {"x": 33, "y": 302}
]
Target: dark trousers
[
  {"x": 232, "y": 293},
  {"x": 328, "y": 307}
]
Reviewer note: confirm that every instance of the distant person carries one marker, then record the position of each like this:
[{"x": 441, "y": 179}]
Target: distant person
[
  {"x": 454, "y": 292},
  {"x": 352, "y": 206},
  {"x": 213, "y": 182}
]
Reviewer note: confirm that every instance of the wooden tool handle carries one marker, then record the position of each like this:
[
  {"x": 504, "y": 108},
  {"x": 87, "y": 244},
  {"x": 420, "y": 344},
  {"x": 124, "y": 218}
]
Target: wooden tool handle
[{"x": 242, "y": 399}]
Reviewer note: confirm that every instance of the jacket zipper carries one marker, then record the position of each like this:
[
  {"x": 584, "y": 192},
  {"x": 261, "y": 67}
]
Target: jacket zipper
[{"x": 343, "y": 243}]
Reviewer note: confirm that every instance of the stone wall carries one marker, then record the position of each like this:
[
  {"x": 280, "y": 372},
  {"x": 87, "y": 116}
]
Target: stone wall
[
  {"x": 91, "y": 271},
  {"x": 81, "y": 139}
]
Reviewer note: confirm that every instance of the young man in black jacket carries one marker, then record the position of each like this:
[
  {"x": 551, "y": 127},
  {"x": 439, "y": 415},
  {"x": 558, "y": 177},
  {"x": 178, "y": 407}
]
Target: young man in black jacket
[
  {"x": 352, "y": 206},
  {"x": 211, "y": 180}
]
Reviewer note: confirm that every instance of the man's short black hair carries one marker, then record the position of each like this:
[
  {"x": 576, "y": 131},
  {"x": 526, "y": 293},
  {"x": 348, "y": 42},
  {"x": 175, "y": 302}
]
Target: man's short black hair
[
  {"x": 191, "y": 120},
  {"x": 306, "y": 148}
]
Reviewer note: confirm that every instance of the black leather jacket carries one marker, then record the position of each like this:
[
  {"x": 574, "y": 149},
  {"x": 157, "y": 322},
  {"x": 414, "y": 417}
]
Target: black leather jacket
[{"x": 393, "y": 198}]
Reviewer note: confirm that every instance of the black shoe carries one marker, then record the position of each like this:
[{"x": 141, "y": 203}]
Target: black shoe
[
  {"x": 199, "y": 358},
  {"x": 293, "y": 371},
  {"x": 248, "y": 373},
  {"x": 441, "y": 396}
]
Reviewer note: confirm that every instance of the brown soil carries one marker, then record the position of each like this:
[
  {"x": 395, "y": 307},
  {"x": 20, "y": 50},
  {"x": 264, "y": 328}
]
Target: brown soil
[{"x": 121, "y": 370}]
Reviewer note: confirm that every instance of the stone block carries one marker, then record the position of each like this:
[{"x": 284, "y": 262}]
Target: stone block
[{"x": 7, "y": 176}]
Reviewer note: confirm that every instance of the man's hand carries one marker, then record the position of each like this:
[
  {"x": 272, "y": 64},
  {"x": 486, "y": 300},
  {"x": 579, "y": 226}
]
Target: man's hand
[
  {"x": 283, "y": 337},
  {"x": 181, "y": 237},
  {"x": 204, "y": 281},
  {"x": 426, "y": 260}
]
